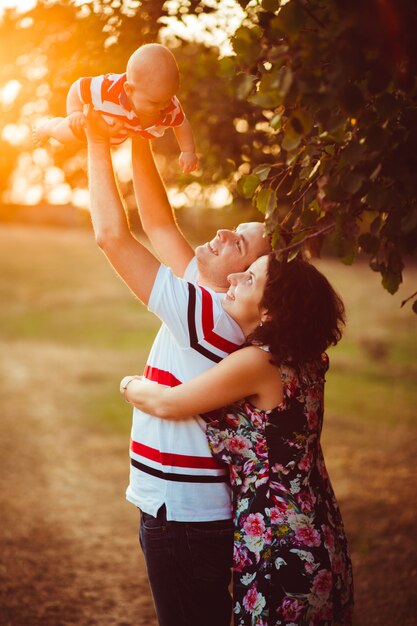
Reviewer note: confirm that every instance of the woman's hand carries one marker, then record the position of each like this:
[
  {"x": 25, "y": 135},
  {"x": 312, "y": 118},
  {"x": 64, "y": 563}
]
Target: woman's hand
[{"x": 123, "y": 387}]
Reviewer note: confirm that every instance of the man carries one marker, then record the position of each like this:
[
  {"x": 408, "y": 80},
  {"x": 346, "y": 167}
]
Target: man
[{"x": 185, "y": 532}]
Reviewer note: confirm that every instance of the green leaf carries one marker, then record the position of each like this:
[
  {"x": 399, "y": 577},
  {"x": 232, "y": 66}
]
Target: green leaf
[
  {"x": 262, "y": 171},
  {"x": 247, "y": 185},
  {"x": 285, "y": 78},
  {"x": 414, "y": 307},
  {"x": 352, "y": 153},
  {"x": 244, "y": 86},
  {"x": 289, "y": 21},
  {"x": 227, "y": 67},
  {"x": 391, "y": 281},
  {"x": 266, "y": 100},
  {"x": 276, "y": 121},
  {"x": 352, "y": 182},
  {"x": 276, "y": 236},
  {"x": 301, "y": 122},
  {"x": 291, "y": 140},
  {"x": 266, "y": 201},
  {"x": 376, "y": 198}
]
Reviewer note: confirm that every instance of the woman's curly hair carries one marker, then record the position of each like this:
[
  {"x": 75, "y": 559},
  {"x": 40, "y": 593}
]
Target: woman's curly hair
[{"x": 305, "y": 314}]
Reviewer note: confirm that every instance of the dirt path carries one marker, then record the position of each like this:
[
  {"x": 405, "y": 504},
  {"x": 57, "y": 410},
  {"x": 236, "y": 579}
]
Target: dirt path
[
  {"x": 67, "y": 538},
  {"x": 69, "y": 554}
]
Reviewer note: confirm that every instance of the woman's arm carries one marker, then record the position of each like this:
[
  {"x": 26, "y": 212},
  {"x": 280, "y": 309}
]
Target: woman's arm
[{"x": 240, "y": 375}]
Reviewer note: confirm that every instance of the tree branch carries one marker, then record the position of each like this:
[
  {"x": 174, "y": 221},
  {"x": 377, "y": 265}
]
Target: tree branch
[
  {"x": 321, "y": 231},
  {"x": 413, "y": 295}
]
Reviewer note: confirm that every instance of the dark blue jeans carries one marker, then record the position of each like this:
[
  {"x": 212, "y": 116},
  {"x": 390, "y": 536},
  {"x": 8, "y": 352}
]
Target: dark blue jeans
[{"x": 189, "y": 569}]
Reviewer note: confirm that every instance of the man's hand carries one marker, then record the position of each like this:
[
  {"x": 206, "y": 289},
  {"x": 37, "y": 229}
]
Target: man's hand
[
  {"x": 98, "y": 130},
  {"x": 96, "y": 127},
  {"x": 77, "y": 123},
  {"x": 189, "y": 161}
]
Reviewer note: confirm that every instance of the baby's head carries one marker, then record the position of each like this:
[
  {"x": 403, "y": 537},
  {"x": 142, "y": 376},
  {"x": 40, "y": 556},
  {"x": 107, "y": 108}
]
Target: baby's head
[{"x": 152, "y": 78}]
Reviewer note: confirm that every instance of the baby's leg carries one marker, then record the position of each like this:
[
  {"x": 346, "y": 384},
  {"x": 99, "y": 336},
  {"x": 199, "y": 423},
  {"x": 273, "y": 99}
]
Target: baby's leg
[{"x": 57, "y": 128}]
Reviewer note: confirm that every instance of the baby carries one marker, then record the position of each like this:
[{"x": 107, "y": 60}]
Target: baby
[{"x": 141, "y": 101}]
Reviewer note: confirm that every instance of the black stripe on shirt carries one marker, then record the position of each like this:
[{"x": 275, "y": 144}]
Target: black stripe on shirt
[
  {"x": 192, "y": 329},
  {"x": 180, "y": 478}
]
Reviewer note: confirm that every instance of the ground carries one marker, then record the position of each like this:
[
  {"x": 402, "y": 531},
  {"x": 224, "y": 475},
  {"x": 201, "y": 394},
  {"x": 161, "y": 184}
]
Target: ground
[{"x": 68, "y": 539}]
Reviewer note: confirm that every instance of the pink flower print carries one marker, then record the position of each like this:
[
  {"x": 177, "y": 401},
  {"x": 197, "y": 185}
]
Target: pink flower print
[
  {"x": 279, "y": 502},
  {"x": 306, "y": 500},
  {"x": 291, "y": 609},
  {"x": 277, "y": 516},
  {"x": 234, "y": 475},
  {"x": 240, "y": 558},
  {"x": 338, "y": 564},
  {"x": 312, "y": 420},
  {"x": 328, "y": 536},
  {"x": 262, "y": 477},
  {"x": 322, "y": 583},
  {"x": 257, "y": 418},
  {"x": 306, "y": 462},
  {"x": 261, "y": 449},
  {"x": 237, "y": 444},
  {"x": 249, "y": 467},
  {"x": 268, "y": 536},
  {"x": 254, "y": 525},
  {"x": 276, "y": 486},
  {"x": 232, "y": 419},
  {"x": 277, "y": 468},
  {"x": 254, "y": 602},
  {"x": 307, "y": 536}
]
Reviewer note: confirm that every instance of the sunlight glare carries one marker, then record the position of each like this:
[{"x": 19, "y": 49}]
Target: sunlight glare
[
  {"x": 20, "y": 5},
  {"x": 10, "y": 92}
]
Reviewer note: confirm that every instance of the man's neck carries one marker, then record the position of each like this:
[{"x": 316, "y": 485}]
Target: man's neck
[{"x": 203, "y": 282}]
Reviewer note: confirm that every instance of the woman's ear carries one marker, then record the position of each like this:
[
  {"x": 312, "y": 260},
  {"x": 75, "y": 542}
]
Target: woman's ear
[{"x": 265, "y": 317}]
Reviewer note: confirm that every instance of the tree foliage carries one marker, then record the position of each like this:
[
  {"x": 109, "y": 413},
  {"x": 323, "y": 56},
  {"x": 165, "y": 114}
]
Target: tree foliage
[
  {"x": 314, "y": 115},
  {"x": 335, "y": 92}
]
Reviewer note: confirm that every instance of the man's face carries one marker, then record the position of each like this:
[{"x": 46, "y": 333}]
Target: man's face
[{"x": 229, "y": 252}]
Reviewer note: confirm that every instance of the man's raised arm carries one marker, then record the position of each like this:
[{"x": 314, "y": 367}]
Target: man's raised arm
[
  {"x": 158, "y": 220},
  {"x": 132, "y": 261}
]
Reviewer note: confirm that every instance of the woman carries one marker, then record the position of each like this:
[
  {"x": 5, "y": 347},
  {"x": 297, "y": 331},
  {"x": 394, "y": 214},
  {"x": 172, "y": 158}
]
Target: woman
[{"x": 291, "y": 563}]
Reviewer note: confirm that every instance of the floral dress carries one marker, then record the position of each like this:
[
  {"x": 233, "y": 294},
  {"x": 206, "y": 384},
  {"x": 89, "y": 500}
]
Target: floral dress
[{"x": 291, "y": 563}]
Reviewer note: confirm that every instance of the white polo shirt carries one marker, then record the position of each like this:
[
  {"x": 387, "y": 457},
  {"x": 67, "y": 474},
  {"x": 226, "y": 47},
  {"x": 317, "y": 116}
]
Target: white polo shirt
[{"x": 171, "y": 462}]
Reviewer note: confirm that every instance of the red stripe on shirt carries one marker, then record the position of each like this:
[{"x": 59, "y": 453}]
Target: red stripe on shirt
[
  {"x": 111, "y": 89},
  {"x": 174, "y": 460},
  {"x": 85, "y": 90},
  {"x": 162, "y": 377},
  {"x": 208, "y": 324}
]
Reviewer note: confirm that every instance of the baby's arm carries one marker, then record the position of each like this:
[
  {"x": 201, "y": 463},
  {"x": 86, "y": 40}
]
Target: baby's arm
[{"x": 188, "y": 159}]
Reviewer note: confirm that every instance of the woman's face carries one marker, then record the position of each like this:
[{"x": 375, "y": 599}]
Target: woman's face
[{"x": 243, "y": 298}]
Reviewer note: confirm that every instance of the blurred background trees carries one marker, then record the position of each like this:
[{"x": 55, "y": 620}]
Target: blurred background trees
[{"x": 310, "y": 114}]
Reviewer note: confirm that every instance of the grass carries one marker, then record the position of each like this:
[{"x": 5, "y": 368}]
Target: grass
[
  {"x": 63, "y": 309},
  {"x": 56, "y": 287}
]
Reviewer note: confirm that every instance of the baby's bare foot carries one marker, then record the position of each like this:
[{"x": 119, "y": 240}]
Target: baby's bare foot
[{"x": 40, "y": 135}]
